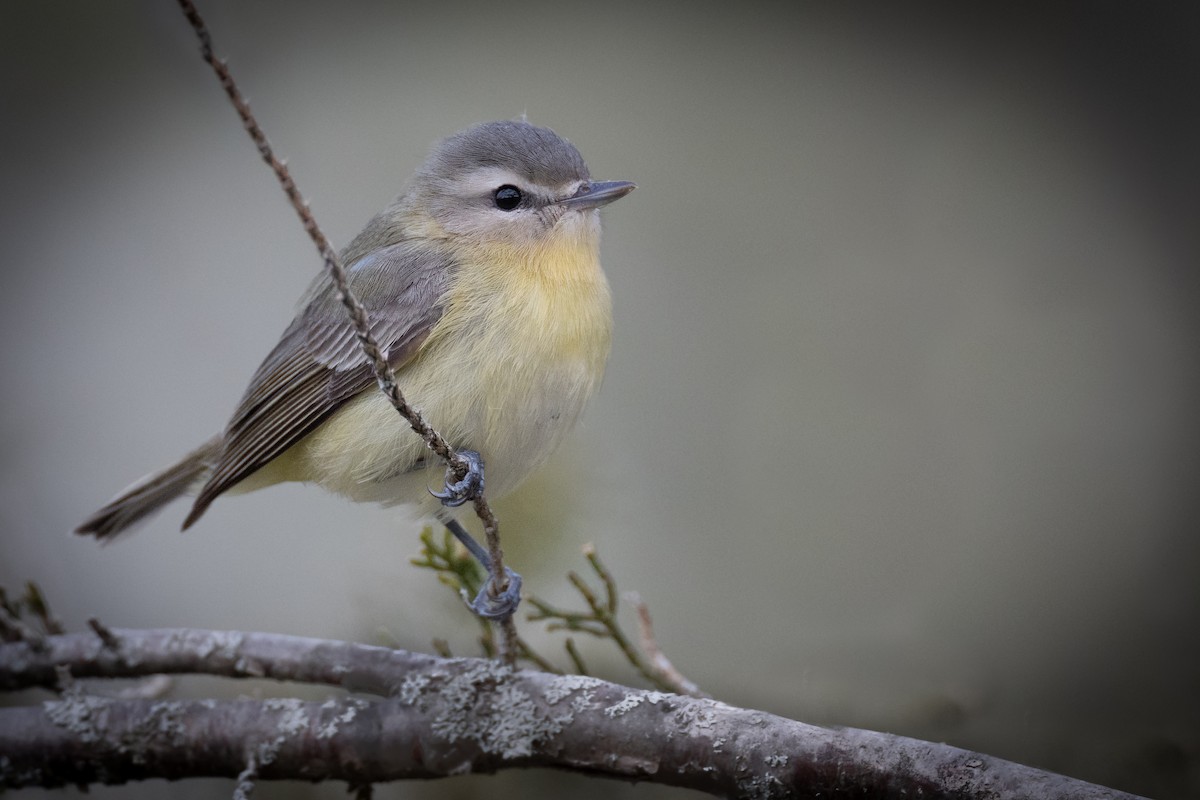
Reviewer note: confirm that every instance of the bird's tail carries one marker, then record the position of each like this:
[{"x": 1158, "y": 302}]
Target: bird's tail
[{"x": 148, "y": 495}]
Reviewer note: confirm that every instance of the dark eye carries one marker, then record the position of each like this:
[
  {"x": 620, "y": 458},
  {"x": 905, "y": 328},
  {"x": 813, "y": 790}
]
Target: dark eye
[{"x": 507, "y": 197}]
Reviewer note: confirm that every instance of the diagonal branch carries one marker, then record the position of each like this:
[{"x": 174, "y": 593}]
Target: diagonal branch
[{"x": 370, "y": 347}]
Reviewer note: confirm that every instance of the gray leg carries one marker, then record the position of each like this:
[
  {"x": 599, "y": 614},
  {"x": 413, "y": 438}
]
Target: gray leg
[{"x": 488, "y": 604}]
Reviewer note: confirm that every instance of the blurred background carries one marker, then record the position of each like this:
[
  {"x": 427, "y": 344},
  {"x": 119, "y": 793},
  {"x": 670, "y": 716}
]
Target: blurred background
[{"x": 898, "y": 432}]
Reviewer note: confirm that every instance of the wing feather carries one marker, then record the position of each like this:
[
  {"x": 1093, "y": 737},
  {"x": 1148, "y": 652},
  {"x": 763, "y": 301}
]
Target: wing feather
[{"x": 318, "y": 364}]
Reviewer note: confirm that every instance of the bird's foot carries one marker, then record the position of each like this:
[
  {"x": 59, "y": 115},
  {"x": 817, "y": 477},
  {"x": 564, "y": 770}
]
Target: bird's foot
[
  {"x": 466, "y": 488},
  {"x": 492, "y": 603}
]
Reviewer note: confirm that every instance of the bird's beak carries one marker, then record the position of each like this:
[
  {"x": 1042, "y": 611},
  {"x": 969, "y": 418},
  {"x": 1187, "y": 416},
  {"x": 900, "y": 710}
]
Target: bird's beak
[{"x": 596, "y": 194}]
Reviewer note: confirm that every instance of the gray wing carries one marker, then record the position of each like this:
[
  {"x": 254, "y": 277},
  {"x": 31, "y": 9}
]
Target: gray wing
[{"x": 318, "y": 364}]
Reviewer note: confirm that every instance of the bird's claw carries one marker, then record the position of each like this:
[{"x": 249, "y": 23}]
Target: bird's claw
[
  {"x": 466, "y": 488},
  {"x": 498, "y": 605}
]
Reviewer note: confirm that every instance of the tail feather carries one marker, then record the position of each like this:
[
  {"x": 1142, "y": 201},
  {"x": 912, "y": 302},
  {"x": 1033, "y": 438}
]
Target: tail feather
[{"x": 148, "y": 495}]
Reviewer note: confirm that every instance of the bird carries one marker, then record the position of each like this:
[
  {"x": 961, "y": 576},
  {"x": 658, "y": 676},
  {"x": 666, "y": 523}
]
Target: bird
[{"x": 483, "y": 285}]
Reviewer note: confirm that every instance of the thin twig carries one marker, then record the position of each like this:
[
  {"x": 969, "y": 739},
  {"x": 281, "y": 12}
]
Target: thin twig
[
  {"x": 533, "y": 657},
  {"x": 610, "y": 584},
  {"x": 658, "y": 659},
  {"x": 105, "y": 633},
  {"x": 12, "y": 629},
  {"x": 576, "y": 658},
  {"x": 358, "y": 315},
  {"x": 509, "y": 648},
  {"x": 601, "y": 620},
  {"x": 608, "y": 619},
  {"x": 35, "y": 601}
]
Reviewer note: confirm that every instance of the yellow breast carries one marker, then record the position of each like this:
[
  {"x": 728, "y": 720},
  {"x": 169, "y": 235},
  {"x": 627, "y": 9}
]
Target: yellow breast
[
  {"x": 507, "y": 370},
  {"x": 533, "y": 330}
]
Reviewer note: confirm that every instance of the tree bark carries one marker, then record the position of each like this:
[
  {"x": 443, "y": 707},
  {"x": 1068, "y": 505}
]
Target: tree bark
[{"x": 418, "y": 716}]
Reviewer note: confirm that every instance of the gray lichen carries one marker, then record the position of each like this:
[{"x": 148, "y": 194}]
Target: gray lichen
[
  {"x": 413, "y": 687},
  {"x": 292, "y": 722},
  {"x": 563, "y": 685},
  {"x": 333, "y": 725},
  {"x": 164, "y": 721},
  {"x": 484, "y": 705},
  {"x": 634, "y": 699},
  {"x": 84, "y": 715},
  {"x": 225, "y": 644}
]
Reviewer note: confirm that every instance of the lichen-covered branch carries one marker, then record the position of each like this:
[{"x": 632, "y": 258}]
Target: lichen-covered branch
[
  {"x": 176, "y": 651},
  {"x": 434, "y": 717}
]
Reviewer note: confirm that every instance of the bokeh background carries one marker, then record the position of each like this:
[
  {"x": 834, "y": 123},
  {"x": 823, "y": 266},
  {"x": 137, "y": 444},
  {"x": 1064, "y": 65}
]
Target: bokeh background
[{"x": 899, "y": 429}]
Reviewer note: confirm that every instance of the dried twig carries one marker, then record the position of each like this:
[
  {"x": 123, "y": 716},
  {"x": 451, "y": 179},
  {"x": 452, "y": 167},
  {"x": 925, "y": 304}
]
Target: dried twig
[
  {"x": 105, "y": 633},
  {"x": 12, "y": 629},
  {"x": 456, "y": 569},
  {"x": 601, "y": 620},
  {"x": 462, "y": 573},
  {"x": 30, "y": 606},
  {"x": 371, "y": 349},
  {"x": 658, "y": 659},
  {"x": 35, "y": 602}
]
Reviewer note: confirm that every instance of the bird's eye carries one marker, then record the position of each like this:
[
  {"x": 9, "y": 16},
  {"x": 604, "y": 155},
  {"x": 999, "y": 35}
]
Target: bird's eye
[{"x": 507, "y": 197}]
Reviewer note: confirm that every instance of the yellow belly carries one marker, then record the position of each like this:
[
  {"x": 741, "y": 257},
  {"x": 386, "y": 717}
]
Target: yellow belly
[{"x": 506, "y": 372}]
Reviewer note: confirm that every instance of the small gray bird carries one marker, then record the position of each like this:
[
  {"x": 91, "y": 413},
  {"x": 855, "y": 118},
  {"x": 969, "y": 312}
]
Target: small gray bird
[{"x": 484, "y": 287}]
